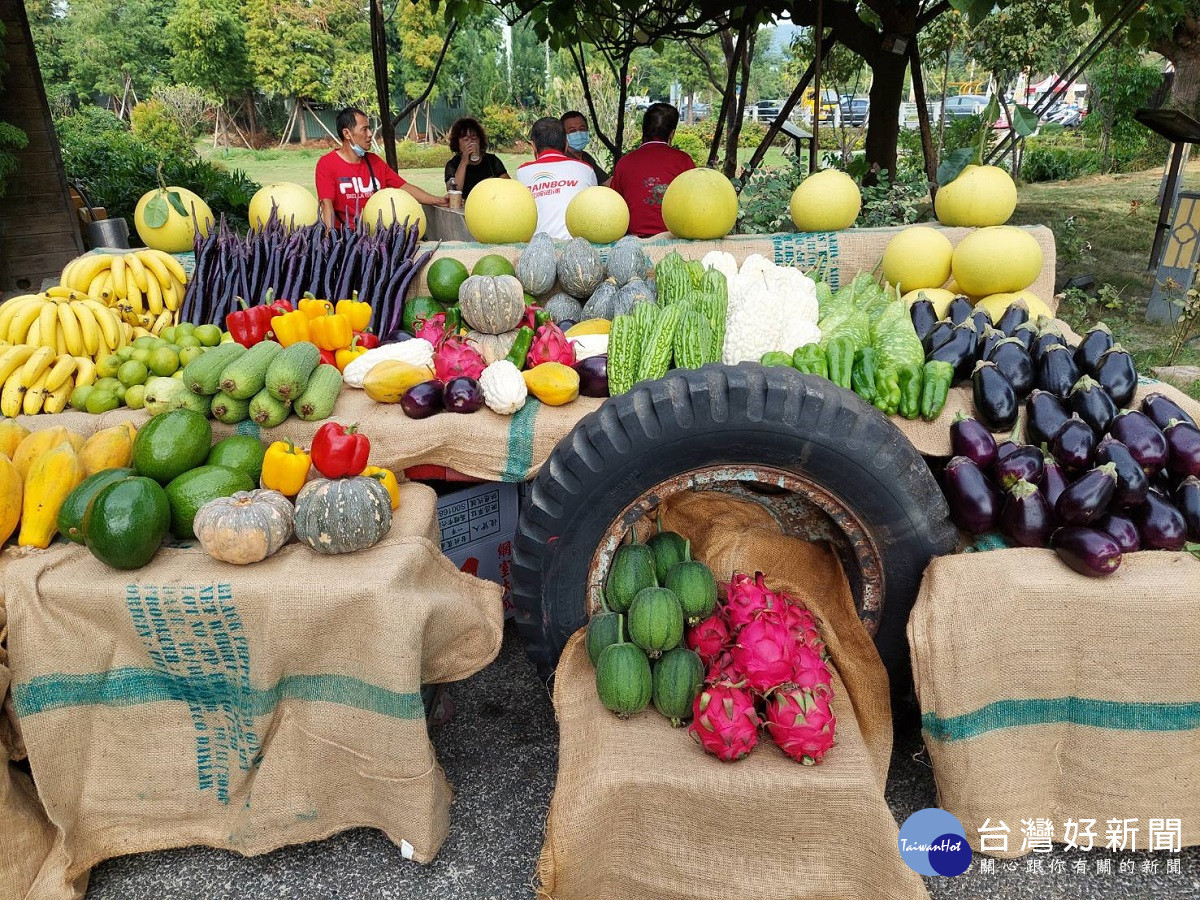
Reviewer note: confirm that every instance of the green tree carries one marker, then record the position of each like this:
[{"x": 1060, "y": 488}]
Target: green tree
[
  {"x": 47, "y": 23},
  {"x": 526, "y": 75},
  {"x": 208, "y": 40},
  {"x": 421, "y": 33},
  {"x": 111, "y": 44},
  {"x": 471, "y": 75}
]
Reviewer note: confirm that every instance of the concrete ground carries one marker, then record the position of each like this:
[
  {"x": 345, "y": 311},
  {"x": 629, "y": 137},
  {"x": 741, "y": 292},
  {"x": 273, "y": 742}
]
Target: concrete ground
[{"x": 500, "y": 751}]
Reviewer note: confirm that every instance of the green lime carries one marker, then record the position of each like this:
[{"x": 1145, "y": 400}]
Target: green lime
[
  {"x": 189, "y": 340},
  {"x": 107, "y": 367},
  {"x": 146, "y": 340},
  {"x": 444, "y": 278},
  {"x": 107, "y": 383},
  {"x": 492, "y": 264},
  {"x": 163, "y": 361},
  {"x": 124, "y": 353},
  {"x": 208, "y": 335},
  {"x": 184, "y": 328},
  {"x": 187, "y": 354},
  {"x": 141, "y": 354},
  {"x": 135, "y": 396},
  {"x": 101, "y": 401},
  {"x": 79, "y": 397},
  {"x": 132, "y": 372},
  {"x": 168, "y": 334}
]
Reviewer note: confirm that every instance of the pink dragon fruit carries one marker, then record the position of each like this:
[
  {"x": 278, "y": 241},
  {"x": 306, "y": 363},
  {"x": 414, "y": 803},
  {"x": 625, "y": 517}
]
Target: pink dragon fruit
[
  {"x": 725, "y": 722},
  {"x": 748, "y": 597},
  {"x": 809, "y": 671},
  {"x": 708, "y": 638},
  {"x": 721, "y": 669},
  {"x": 432, "y": 329},
  {"x": 454, "y": 357},
  {"x": 803, "y": 626},
  {"x": 550, "y": 345},
  {"x": 801, "y": 723},
  {"x": 765, "y": 653}
]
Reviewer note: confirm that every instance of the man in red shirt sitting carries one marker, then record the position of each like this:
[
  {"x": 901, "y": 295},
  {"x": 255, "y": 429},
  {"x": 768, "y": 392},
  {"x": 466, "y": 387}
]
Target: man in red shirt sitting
[
  {"x": 642, "y": 175},
  {"x": 347, "y": 176}
]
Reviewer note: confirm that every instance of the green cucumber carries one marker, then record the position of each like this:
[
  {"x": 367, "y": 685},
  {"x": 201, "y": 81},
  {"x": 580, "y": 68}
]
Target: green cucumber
[
  {"x": 246, "y": 375},
  {"x": 229, "y": 410},
  {"x": 203, "y": 374},
  {"x": 289, "y": 371},
  {"x": 198, "y": 403},
  {"x": 320, "y": 395},
  {"x": 268, "y": 411}
]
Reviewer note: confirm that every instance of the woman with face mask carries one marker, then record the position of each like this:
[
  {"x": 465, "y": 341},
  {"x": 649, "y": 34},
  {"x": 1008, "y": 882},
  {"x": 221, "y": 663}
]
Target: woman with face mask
[
  {"x": 575, "y": 124},
  {"x": 471, "y": 162}
]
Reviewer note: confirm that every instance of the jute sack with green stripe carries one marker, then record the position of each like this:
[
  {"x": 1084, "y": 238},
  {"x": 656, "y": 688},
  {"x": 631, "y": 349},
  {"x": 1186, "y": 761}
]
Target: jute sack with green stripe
[
  {"x": 242, "y": 707},
  {"x": 1049, "y": 695}
]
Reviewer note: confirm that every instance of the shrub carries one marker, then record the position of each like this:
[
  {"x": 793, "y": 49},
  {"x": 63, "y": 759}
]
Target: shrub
[
  {"x": 1058, "y": 163},
  {"x": 411, "y": 155},
  {"x": 764, "y": 195},
  {"x": 504, "y": 126},
  {"x": 153, "y": 124},
  {"x": 692, "y": 146}
]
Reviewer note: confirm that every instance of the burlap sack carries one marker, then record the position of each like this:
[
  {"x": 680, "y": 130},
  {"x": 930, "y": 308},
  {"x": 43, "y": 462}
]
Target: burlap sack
[
  {"x": 197, "y": 702},
  {"x": 639, "y": 810},
  {"x": 1049, "y": 695},
  {"x": 842, "y": 253}
]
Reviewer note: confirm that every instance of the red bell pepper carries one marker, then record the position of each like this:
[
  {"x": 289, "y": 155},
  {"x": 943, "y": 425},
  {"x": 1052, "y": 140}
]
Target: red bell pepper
[
  {"x": 279, "y": 306},
  {"x": 250, "y": 324},
  {"x": 339, "y": 450},
  {"x": 368, "y": 340},
  {"x": 329, "y": 357}
]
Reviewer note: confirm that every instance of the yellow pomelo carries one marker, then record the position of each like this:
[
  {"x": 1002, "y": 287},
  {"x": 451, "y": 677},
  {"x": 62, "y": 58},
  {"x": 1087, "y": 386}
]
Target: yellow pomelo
[
  {"x": 996, "y": 260},
  {"x": 917, "y": 257},
  {"x": 939, "y": 297},
  {"x": 294, "y": 205},
  {"x": 979, "y": 196},
  {"x": 825, "y": 201},
  {"x": 996, "y": 304},
  {"x": 700, "y": 205},
  {"x": 393, "y": 205},
  {"x": 598, "y": 214},
  {"x": 500, "y": 211},
  {"x": 178, "y": 233}
]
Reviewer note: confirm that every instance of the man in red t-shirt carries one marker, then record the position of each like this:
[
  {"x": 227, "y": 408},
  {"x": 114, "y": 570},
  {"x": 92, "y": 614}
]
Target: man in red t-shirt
[
  {"x": 642, "y": 175},
  {"x": 348, "y": 176}
]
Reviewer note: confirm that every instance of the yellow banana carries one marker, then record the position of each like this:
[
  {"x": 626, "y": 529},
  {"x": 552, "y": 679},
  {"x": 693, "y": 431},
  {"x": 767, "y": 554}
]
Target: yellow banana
[
  {"x": 174, "y": 266},
  {"x": 138, "y": 271},
  {"x": 12, "y": 359},
  {"x": 21, "y": 323},
  {"x": 35, "y": 395},
  {"x": 60, "y": 341},
  {"x": 10, "y": 308},
  {"x": 163, "y": 321},
  {"x": 70, "y": 329},
  {"x": 154, "y": 297},
  {"x": 139, "y": 331},
  {"x": 12, "y": 395},
  {"x": 126, "y": 334},
  {"x": 48, "y": 322},
  {"x": 61, "y": 292},
  {"x": 172, "y": 296},
  {"x": 118, "y": 275},
  {"x": 34, "y": 336},
  {"x": 85, "y": 370},
  {"x": 106, "y": 289},
  {"x": 154, "y": 265},
  {"x": 68, "y": 269},
  {"x": 37, "y": 365},
  {"x": 96, "y": 285},
  {"x": 63, "y": 368},
  {"x": 57, "y": 399},
  {"x": 106, "y": 318},
  {"x": 87, "y": 268},
  {"x": 89, "y": 328},
  {"x": 133, "y": 297}
]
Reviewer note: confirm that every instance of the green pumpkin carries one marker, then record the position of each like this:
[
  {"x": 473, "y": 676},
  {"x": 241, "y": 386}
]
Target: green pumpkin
[
  {"x": 632, "y": 569},
  {"x": 603, "y": 629},
  {"x": 693, "y": 583},
  {"x": 580, "y": 269},
  {"x": 656, "y": 621},
  {"x": 342, "y": 515},
  {"x": 537, "y": 266},
  {"x": 669, "y": 550},
  {"x": 678, "y": 677},
  {"x": 623, "y": 679}
]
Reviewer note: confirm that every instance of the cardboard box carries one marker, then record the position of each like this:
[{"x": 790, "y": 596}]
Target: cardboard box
[{"x": 478, "y": 525}]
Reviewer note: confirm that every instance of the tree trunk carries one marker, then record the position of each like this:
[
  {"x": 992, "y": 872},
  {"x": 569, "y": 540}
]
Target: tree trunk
[
  {"x": 252, "y": 115},
  {"x": 883, "y": 127},
  {"x": 303, "y": 123},
  {"x": 1185, "y": 89}
]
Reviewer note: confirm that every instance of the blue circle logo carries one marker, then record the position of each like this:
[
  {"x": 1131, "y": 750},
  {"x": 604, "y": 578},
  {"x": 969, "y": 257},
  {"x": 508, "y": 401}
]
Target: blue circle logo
[{"x": 933, "y": 842}]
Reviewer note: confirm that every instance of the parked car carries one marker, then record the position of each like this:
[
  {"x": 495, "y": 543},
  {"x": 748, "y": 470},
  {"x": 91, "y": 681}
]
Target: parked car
[
  {"x": 855, "y": 111},
  {"x": 764, "y": 110},
  {"x": 701, "y": 111},
  {"x": 964, "y": 105}
]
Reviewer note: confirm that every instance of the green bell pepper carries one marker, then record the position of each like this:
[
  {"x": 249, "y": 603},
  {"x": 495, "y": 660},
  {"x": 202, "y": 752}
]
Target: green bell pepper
[
  {"x": 910, "y": 391},
  {"x": 937, "y": 378},
  {"x": 840, "y": 355},
  {"x": 862, "y": 378},
  {"x": 776, "y": 358},
  {"x": 810, "y": 359},
  {"x": 887, "y": 391}
]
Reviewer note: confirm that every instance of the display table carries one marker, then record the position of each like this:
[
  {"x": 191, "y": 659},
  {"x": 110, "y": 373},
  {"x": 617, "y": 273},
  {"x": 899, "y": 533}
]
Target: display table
[
  {"x": 444, "y": 224},
  {"x": 198, "y": 702}
]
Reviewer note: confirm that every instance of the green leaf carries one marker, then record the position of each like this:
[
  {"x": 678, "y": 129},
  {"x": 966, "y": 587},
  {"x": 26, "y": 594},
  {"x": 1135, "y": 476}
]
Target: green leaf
[
  {"x": 1193, "y": 548},
  {"x": 177, "y": 202},
  {"x": 975, "y": 10},
  {"x": 953, "y": 164},
  {"x": 1024, "y": 120},
  {"x": 155, "y": 212}
]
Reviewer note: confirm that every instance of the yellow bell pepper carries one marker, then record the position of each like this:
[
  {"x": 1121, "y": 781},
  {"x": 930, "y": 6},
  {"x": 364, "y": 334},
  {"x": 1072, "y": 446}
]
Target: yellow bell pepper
[
  {"x": 285, "y": 468},
  {"x": 290, "y": 328},
  {"x": 346, "y": 355},
  {"x": 331, "y": 332},
  {"x": 388, "y": 479},
  {"x": 314, "y": 308},
  {"x": 357, "y": 311}
]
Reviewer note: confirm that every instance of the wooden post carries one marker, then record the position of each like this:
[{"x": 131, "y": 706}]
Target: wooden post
[
  {"x": 818, "y": 55},
  {"x": 379, "y": 57},
  {"x": 918, "y": 84}
]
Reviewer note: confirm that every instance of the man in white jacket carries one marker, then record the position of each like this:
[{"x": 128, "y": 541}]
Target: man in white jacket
[{"x": 552, "y": 176}]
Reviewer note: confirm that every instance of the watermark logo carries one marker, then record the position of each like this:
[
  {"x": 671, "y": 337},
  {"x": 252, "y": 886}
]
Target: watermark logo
[{"x": 933, "y": 842}]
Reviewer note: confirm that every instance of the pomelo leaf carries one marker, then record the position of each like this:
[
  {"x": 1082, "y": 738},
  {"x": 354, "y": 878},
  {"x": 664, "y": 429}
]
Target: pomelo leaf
[
  {"x": 953, "y": 164},
  {"x": 177, "y": 202},
  {"x": 155, "y": 212}
]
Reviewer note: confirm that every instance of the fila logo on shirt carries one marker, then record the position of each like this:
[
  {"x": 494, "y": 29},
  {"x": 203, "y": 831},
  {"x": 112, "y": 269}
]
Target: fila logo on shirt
[{"x": 356, "y": 185}]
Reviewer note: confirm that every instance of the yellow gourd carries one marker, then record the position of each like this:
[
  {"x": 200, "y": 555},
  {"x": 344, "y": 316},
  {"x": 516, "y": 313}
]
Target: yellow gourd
[
  {"x": 11, "y": 435},
  {"x": 53, "y": 476},
  {"x": 111, "y": 448},
  {"x": 11, "y": 491},
  {"x": 386, "y": 382},
  {"x": 589, "y": 326},
  {"x": 552, "y": 383},
  {"x": 39, "y": 442}
]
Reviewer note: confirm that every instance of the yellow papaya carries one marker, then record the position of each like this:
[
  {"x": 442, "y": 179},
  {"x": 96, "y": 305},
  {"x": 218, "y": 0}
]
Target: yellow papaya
[
  {"x": 11, "y": 435},
  {"x": 111, "y": 448},
  {"x": 38, "y": 442},
  {"x": 552, "y": 383},
  {"x": 53, "y": 476},
  {"x": 11, "y": 492},
  {"x": 386, "y": 382}
]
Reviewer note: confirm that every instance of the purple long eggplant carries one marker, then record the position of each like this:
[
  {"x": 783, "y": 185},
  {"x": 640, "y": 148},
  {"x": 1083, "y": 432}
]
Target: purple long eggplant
[
  {"x": 1121, "y": 529},
  {"x": 1094, "y": 343},
  {"x": 1160, "y": 524},
  {"x": 1026, "y": 518},
  {"x": 423, "y": 400},
  {"x": 1091, "y": 402},
  {"x": 1016, "y": 314},
  {"x": 1025, "y": 463},
  {"x": 995, "y": 400},
  {"x": 1074, "y": 445},
  {"x": 1132, "y": 481},
  {"x": 1162, "y": 409},
  {"x": 1139, "y": 433},
  {"x": 1044, "y": 416},
  {"x": 1015, "y": 364},
  {"x": 970, "y": 438},
  {"x": 982, "y": 321},
  {"x": 1053, "y": 481},
  {"x": 1118, "y": 374},
  {"x": 1183, "y": 448},
  {"x": 1004, "y": 448},
  {"x": 974, "y": 503},
  {"x": 1088, "y": 497},
  {"x": 1086, "y": 550},
  {"x": 959, "y": 350},
  {"x": 1056, "y": 370},
  {"x": 1187, "y": 499}
]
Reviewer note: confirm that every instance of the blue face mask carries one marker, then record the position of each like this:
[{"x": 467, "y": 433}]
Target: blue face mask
[
  {"x": 358, "y": 151},
  {"x": 577, "y": 140}
]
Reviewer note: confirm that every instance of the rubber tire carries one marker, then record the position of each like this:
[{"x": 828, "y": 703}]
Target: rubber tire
[{"x": 749, "y": 413}]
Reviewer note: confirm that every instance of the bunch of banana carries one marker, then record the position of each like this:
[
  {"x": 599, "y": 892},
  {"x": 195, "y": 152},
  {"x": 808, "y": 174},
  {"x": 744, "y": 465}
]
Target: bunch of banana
[
  {"x": 36, "y": 380},
  {"x": 142, "y": 285},
  {"x": 71, "y": 324}
]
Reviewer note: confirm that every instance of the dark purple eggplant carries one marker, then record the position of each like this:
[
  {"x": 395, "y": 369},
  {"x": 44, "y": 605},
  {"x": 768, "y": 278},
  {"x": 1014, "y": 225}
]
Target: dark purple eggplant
[
  {"x": 1187, "y": 500},
  {"x": 1118, "y": 374},
  {"x": 1121, "y": 529},
  {"x": 1091, "y": 402},
  {"x": 397, "y": 336},
  {"x": 1132, "y": 482},
  {"x": 1163, "y": 484},
  {"x": 988, "y": 340},
  {"x": 959, "y": 310},
  {"x": 1183, "y": 448},
  {"x": 970, "y": 438},
  {"x": 1015, "y": 364},
  {"x": 1025, "y": 333},
  {"x": 959, "y": 350},
  {"x": 1005, "y": 448},
  {"x": 593, "y": 376},
  {"x": 1137, "y": 432},
  {"x": 567, "y": 323},
  {"x": 1095, "y": 342},
  {"x": 1160, "y": 524},
  {"x": 1088, "y": 497},
  {"x": 1026, "y": 518},
  {"x": 1162, "y": 409},
  {"x": 974, "y": 503},
  {"x": 1016, "y": 314},
  {"x": 1056, "y": 371},
  {"x": 982, "y": 321},
  {"x": 995, "y": 400},
  {"x": 1044, "y": 416},
  {"x": 422, "y": 400},
  {"x": 1087, "y": 550},
  {"x": 1024, "y": 464},
  {"x": 937, "y": 335},
  {"x": 1053, "y": 482},
  {"x": 1074, "y": 445},
  {"x": 462, "y": 395},
  {"x": 1046, "y": 338},
  {"x": 923, "y": 316}
]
